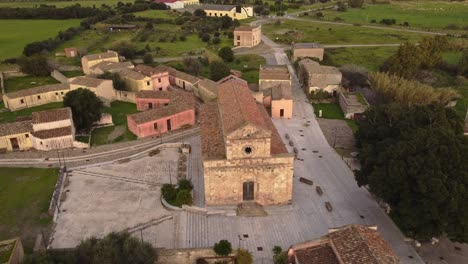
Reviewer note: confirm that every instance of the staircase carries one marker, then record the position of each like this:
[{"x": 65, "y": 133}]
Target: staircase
[{"x": 250, "y": 209}]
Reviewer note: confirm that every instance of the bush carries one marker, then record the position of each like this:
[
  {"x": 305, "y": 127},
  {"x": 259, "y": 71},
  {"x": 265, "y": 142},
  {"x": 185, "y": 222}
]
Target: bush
[
  {"x": 216, "y": 40},
  {"x": 125, "y": 48},
  {"x": 244, "y": 257},
  {"x": 355, "y": 3},
  {"x": 222, "y": 248},
  {"x": 388, "y": 21},
  {"x": 199, "y": 13},
  {"x": 183, "y": 197},
  {"x": 169, "y": 192},
  {"x": 118, "y": 83},
  {"x": 36, "y": 65},
  {"x": 148, "y": 58},
  {"x": 183, "y": 38},
  {"x": 219, "y": 70},
  {"x": 185, "y": 184},
  {"x": 279, "y": 256},
  {"x": 205, "y": 37},
  {"x": 319, "y": 14},
  {"x": 226, "y": 54}
]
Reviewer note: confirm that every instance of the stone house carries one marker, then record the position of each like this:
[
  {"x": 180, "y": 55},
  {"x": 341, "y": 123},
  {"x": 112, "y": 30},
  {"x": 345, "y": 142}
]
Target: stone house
[
  {"x": 15, "y": 136},
  {"x": 304, "y": 50},
  {"x": 314, "y": 77},
  {"x": 53, "y": 129},
  {"x": 13, "y": 248},
  {"x": 108, "y": 66},
  {"x": 134, "y": 80},
  {"x": 244, "y": 158},
  {"x": 104, "y": 89},
  {"x": 352, "y": 104},
  {"x": 275, "y": 85},
  {"x": 351, "y": 244},
  {"x": 206, "y": 90},
  {"x": 232, "y": 11},
  {"x": 162, "y": 111},
  {"x": 90, "y": 60},
  {"x": 35, "y": 96},
  {"x": 159, "y": 77},
  {"x": 71, "y": 52},
  {"x": 180, "y": 79},
  {"x": 247, "y": 36}
]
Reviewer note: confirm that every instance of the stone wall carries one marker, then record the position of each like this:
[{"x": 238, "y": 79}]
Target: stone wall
[
  {"x": 59, "y": 76},
  {"x": 177, "y": 256},
  {"x": 125, "y": 96}
]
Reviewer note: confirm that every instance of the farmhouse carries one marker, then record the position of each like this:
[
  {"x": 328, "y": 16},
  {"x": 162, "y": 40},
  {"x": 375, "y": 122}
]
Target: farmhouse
[
  {"x": 247, "y": 36},
  {"x": 352, "y": 104},
  {"x": 244, "y": 158},
  {"x": 90, "y": 60},
  {"x": 346, "y": 245},
  {"x": 314, "y": 77},
  {"x": 163, "y": 112},
  {"x": 15, "y": 136},
  {"x": 104, "y": 89},
  {"x": 35, "y": 96},
  {"x": 232, "y": 11},
  {"x": 304, "y": 50},
  {"x": 172, "y": 4},
  {"x": 159, "y": 77}
]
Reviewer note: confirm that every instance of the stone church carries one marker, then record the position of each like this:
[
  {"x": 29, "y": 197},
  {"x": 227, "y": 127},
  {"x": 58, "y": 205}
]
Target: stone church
[{"x": 244, "y": 158}]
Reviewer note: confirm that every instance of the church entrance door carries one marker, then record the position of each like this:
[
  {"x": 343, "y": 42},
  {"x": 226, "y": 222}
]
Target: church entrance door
[{"x": 248, "y": 191}]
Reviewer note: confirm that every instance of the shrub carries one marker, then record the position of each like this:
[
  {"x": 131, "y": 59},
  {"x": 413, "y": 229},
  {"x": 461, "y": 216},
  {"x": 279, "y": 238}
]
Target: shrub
[
  {"x": 222, "y": 248},
  {"x": 373, "y": 21},
  {"x": 219, "y": 70},
  {"x": 279, "y": 256},
  {"x": 36, "y": 65},
  {"x": 265, "y": 12},
  {"x": 125, "y": 48},
  {"x": 405, "y": 24},
  {"x": 185, "y": 184},
  {"x": 388, "y": 21},
  {"x": 148, "y": 58},
  {"x": 205, "y": 37},
  {"x": 183, "y": 38},
  {"x": 226, "y": 54},
  {"x": 244, "y": 257},
  {"x": 355, "y": 3},
  {"x": 183, "y": 197},
  {"x": 216, "y": 40},
  {"x": 169, "y": 192},
  {"x": 341, "y": 7},
  {"x": 199, "y": 13},
  {"x": 217, "y": 34},
  {"x": 319, "y": 14}
]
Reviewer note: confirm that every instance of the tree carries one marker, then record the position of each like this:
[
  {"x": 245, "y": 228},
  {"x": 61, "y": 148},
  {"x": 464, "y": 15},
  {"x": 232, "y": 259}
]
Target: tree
[
  {"x": 36, "y": 65},
  {"x": 219, "y": 70},
  {"x": 415, "y": 158},
  {"x": 341, "y": 7},
  {"x": 148, "y": 58},
  {"x": 355, "y": 3},
  {"x": 125, "y": 48},
  {"x": 354, "y": 75},
  {"x": 463, "y": 64},
  {"x": 149, "y": 26},
  {"x": 199, "y": 13},
  {"x": 216, "y": 40},
  {"x": 222, "y": 248},
  {"x": 244, "y": 256},
  {"x": 205, "y": 37},
  {"x": 192, "y": 66},
  {"x": 226, "y": 54},
  {"x": 169, "y": 192},
  {"x": 279, "y": 256},
  {"x": 258, "y": 9},
  {"x": 86, "y": 107}
]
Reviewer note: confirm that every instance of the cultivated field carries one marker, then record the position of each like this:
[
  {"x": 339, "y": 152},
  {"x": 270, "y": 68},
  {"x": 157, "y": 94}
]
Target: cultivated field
[
  {"x": 15, "y": 34},
  {"x": 369, "y": 58},
  {"x": 96, "y": 3}
]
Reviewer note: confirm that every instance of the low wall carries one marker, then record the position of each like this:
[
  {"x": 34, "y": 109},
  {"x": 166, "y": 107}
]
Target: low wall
[
  {"x": 125, "y": 96},
  {"x": 59, "y": 76},
  {"x": 56, "y": 200},
  {"x": 176, "y": 256}
]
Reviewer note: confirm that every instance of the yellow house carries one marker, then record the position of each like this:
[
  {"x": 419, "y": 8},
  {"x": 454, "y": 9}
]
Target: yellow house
[
  {"x": 35, "y": 96},
  {"x": 232, "y": 11},
  {"x": 135, "y": 81},
  {"x": 90, "y": 60},
  {"x": 190, "y": 2},
  {"x": 15, "y": 136}
]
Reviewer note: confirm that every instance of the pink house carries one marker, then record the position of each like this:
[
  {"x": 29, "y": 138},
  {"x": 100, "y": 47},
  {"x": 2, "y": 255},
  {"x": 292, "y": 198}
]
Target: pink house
[
  {"x": 162, "y": 112},
  {"x": 159, "y": 77}
]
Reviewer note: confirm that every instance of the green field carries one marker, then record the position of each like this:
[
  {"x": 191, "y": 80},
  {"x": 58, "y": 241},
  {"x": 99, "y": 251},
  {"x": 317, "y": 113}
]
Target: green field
[
  {"x": 96, "y": 3},
  {"x": 329, "y": 111},
  {"x": 7, "y": 117},
  {"x": 157, "y": 14},
  {"x": 308, "y": 31},
  {"x": 249, "y": 66},
  {"x": 423, "y": 14},
  {"x": 25, "y": 194},
  {"x": 21, "y": 83},
  {"x": 369, "y": 58},
  {"x": 15, "y": 34}
]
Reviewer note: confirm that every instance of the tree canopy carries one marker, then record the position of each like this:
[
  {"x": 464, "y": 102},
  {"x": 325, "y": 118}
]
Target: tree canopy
[
  {"x": 219, "y": 70},
  {"x": 36, "y": 65},
  {"x": 226, "y": 54},
  {"x": 85, "y": 106},
  {"x": 416, "y": 159}
]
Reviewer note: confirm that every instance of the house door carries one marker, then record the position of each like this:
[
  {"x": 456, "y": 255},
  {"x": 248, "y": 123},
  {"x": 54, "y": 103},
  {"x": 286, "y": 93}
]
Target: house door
[
  {"x": 183, "y": 85},
  {"x": 150, "y": 105},
  {"x": 14, "y": 143},
  {"x": 168, "y": 122},
  {"x": 248, "y": 191},
  {"x": 281, "y": 112}
]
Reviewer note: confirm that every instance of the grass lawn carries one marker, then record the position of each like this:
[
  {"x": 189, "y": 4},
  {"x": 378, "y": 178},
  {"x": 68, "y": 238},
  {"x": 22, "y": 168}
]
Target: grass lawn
[
  {"x": 329, "y": 111},
  {"x": 305, "y": 31},
  {"x": 158, "y": 14},
  {"x": 452, "y": 57},
  {"x": 119, "y": 111},
  {"x": 25, "y": 194},
  {"x": 84, "y": 139},
  {"x": 370, "y": 58},
  {"x": 248, "y": 65},
  {"x": 70, "y": 74},
  {"x": 21, "y": 83},
  {"x": 96, "y": 3},
  {"x": 6, "y": 117},
  {"x": 15, "y": 34},
  {"x": 423, "y": 14}
]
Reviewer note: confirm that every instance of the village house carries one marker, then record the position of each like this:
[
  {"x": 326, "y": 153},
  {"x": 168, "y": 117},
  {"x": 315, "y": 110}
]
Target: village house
[
  {"x": 15, "y": 136},
  {"x": 104, "y": 89},
  {"x": 90, "y": 60},
  {"x": 172, "y": 4},
  {"x": 71, "y": 52},
  {"x": 159, "y": 77},
  {"x": 180, "y": 79},
  {"x": 352, "y": 104},
  {"x": 206, "y": 90},
  {"x": 274, "y": 90},
  {"x": 232, "y": 11},
  {"x": 190, "y": 2},
  {"x": 304, "y": 50},
  {"x": 350, "y": 244},
  {"x": 314, "y": 77},
  {"x": 134, "y": 80},
  {"x": 244, "y": 158},
  {"x": 11, "y": 251},
  {"x": 35, "y": 96},
  {"x": 109, "y": 66},
  {"x": 163, "y": 111},
  {"x": 247, "y": 36}
]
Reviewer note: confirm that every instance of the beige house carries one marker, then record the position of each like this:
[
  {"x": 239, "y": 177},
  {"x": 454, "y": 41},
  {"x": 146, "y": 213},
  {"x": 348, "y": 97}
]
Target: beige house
[
  {"x": 53, "y": 129},
  {"x": 352, "y": 104},
  {"x": 244, "y": 158},
  {"x": 190, "y": 2},
  {"x": 304, "y": 50},
  {"x": 35, "y": 96},
  {"x": 247, "y": 36},
  {"x": 12, "y": 251},
  {"x": 314, "y": 77},
  {"x": 15, "y": 136},
  {"x": 109, "y": 66},
  {"x": 104, "y": 89},
  {"x": 232, "y": 11},
  {"x": 134, "y": 80},
  {"x": 207, "y": 90},
  {"x": 90, "y": 60}
]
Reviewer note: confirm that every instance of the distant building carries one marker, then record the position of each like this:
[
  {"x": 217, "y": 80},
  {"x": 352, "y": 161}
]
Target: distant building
[
  {"x": 172, "y": 4},
  {"x": 275, "y": 86},
  {"x": 159, "y": 77},
  {"x": 90, "y": 60},
  {"x": 352, "y": 104},
  {"x": 314, "y": 77},
  {"x": 71, "y": 52},
  {"x": 244, "y": 158},
  {"x": 35, "y": 96},
  {"x": 163, "y": 111},
  {"x": 11, "y": 251},
  {"x": 303, "y": 50},
  {"x": 351, "y": 244},
  {"x": 232, "y": 11},
  {"x": 247, "y": 36}
]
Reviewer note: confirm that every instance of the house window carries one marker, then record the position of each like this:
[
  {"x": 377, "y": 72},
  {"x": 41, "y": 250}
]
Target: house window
[
  {"x": 159, "y": 79},
  {"x": 148, "y": 83},
  {"x": 26, "y": 135},
  {"x": 56, "y": 93},
  {"x": 39, "y": 97},
  {"x": 155, "y": 125},
  {"x": 61, "y": 92},
  {"x": 248, "y": 150},
  {"x": 41, "y": 143},
  {"x": 22, "y": 101},
  {"x": 238, "y": 37}
]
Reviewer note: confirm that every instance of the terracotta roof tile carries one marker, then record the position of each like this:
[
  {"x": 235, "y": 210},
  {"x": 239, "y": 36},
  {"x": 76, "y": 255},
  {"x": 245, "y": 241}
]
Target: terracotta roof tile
[
  {"x": 38, "y": 90},
  {"x": 100, "y": 56},
  {"x": 210, "y": 85},
  {"x": 306, "y": 45},
  {"x": 111, "y": 66},
  {"x": 274, "y": 72},
  {"x": 51, "y": 115},
  {"x": 157, "y": 94},
  {"x": 15, "y": 128},
  {"x": 212, "y": 139},
  {"x": 53, "y": 133},
  {"x": 87, "y": 81},
  {"x": 131, "y": 74},
  {"x": 281, "y": 91},
  {"x": 321, "y": 253},
  {"x": 319, "y": 75},
  {"x": 147, "y": 70},
  {"x": 217, "y": 7}
]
